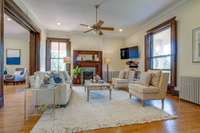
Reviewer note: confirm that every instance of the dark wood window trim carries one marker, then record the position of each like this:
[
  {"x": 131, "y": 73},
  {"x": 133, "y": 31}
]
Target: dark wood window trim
[
  {"x": 172, "y": 23},
  {"x": 48, "y": 51},
  {"x": 12, "y": 10}
]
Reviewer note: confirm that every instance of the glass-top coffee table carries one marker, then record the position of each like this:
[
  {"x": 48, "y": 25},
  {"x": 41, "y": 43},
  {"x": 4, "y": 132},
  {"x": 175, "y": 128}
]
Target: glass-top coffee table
[{"x": 97, "y": 86}]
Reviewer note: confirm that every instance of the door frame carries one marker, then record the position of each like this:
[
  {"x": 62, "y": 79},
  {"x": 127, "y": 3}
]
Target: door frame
[{"x": 16, "y": 13}]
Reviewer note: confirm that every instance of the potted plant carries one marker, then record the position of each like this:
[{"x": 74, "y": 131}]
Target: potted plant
[{"x": 76, "y": 72}]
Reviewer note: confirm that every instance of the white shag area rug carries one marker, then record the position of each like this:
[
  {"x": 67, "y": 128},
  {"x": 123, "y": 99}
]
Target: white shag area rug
[{"x": 100, "y": 112}]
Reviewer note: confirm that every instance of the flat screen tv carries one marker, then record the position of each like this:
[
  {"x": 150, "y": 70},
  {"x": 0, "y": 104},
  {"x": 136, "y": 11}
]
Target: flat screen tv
[{"x": 130, "y": 53}]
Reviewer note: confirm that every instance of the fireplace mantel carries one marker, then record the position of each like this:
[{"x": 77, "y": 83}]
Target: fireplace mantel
[{"x": 87, "y": 59}]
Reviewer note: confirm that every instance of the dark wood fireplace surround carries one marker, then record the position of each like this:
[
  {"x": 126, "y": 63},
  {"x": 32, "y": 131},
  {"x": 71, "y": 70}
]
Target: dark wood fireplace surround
[{"x": 96, "y": 64}]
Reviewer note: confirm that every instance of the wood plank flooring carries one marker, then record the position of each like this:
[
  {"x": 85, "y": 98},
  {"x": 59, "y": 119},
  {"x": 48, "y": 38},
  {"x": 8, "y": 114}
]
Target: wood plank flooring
[{"x": 188, "y": 121}]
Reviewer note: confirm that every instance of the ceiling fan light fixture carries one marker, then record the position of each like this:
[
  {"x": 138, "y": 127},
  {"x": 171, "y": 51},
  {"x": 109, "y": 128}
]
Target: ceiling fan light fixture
[
  {"x": 58, "y": 24},
  {"x": 121, "y": 30},
  {"x": 8, "y": 19}
]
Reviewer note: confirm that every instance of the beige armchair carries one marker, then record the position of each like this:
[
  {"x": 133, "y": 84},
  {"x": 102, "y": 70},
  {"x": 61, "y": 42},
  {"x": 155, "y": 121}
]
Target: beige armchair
[{"x": 150, "y": 92}]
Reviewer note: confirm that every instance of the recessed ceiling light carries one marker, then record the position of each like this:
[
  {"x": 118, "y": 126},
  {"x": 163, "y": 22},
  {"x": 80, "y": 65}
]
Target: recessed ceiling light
[
  {"x": 9, "y": 19},
  {"x": 58, "y": 23},
  {"x": 88, "y": 27},
  {"x": 120, "y": 30}
]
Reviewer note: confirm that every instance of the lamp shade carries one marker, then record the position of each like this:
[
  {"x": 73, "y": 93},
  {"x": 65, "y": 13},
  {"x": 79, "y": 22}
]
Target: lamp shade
[
  {"x": 107, "y": 60},
  {"x": 67, "y": 60}
]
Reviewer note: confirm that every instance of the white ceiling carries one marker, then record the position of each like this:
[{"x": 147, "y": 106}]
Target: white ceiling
[
  {"x": 118, "y": 13},
  {"x": 13, "y": 29}
]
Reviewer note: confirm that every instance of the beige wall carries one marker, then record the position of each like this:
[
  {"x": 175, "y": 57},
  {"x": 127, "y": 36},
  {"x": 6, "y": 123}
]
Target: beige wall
[
  {"x": 188, "y": 18},
  {"x": 109, "y": 46},
  {"x": 21, "y": 43}
]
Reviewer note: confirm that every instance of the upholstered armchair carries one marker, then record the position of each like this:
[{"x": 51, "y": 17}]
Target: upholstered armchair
[
  {"x": 151, "y": 92},
  {"x": 20, "y": 75}
]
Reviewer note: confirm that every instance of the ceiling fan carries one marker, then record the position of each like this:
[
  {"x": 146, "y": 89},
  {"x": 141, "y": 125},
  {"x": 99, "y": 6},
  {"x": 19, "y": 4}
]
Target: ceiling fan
[{"x": 98, "y": 26}]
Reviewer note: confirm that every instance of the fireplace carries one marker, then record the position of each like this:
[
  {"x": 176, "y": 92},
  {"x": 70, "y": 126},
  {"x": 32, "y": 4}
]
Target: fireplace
[
  {"x": 89, "y": 62},
  {"x": 87, "y": 76},
  {"x": 87, "y": 73}
]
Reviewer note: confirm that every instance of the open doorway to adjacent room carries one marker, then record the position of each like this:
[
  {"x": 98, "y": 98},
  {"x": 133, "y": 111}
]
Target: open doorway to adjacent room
[
  {"x": 16, "y": 68},
  {"x": 16, "y": 30},
  {"x": 16, "y": 52}
]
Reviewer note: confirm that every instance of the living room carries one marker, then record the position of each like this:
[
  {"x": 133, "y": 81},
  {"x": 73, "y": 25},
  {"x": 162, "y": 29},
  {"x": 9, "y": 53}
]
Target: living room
[{"x": 107, "y": 66}]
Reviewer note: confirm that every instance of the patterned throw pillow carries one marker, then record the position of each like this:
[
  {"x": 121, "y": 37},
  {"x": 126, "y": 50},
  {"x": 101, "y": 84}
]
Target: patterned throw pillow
[
  {"x": 121, "y": 74},
  {"x": 126, "y": 74},
  {"x": 155, "y": 77},
  {"x": 145, "y": 78},
  {"x": 131, "y": 76},
  {"x": 57, "y": 78},
  {"x": 46, "y": 79}
]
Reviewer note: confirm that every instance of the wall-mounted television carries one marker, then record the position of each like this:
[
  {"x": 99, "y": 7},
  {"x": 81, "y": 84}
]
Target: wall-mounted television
[{"x": 130, "y": 53}]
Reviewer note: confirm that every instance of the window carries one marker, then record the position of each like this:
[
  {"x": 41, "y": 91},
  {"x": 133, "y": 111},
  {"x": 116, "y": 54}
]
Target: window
[
  {"x": 57, "y": 50},
  {"x": 160, "y": 49}
]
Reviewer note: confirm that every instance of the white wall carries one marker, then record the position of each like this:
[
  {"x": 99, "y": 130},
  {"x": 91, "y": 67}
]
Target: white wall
[
  {"x": 109, "y": 46},
  {"x": 188, "y": 18},
  {"x": 22, "y": 43},
  {"x": 43, "y": 51}
]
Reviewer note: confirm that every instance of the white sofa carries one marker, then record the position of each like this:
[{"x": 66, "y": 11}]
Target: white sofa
[
  {"x": 52, "y": 93},
  {"x": 122, "y": 81}
]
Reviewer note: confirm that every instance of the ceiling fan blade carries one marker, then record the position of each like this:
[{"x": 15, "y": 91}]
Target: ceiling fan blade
[
  {"x": 107, "y": 28},
  {"x": 100, "y": 23},
  {"x": 88, "y": 31},
  {"x": 84, "y": 25}
]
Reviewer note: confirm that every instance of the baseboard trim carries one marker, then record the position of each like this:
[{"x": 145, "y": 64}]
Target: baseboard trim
[{"x": 175, "y": 92}]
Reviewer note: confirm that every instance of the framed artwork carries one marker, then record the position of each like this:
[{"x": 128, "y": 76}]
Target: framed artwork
[
  {"x": 196, "y": 45},
  {"x": 13, "y": 56}
]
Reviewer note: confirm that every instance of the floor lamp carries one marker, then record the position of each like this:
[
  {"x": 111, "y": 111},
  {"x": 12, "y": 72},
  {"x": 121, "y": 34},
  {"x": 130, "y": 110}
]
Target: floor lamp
[{"x": 107, "y": 62}]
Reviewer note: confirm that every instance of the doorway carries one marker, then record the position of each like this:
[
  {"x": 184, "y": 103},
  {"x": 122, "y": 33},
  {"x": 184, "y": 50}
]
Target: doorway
[
  {"x": 16, "y": 52},
  {"x": 13, "y": 11}
]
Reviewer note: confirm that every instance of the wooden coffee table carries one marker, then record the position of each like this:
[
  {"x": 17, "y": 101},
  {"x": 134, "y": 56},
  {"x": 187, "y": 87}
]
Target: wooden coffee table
[{"x": 98, "y": 86}]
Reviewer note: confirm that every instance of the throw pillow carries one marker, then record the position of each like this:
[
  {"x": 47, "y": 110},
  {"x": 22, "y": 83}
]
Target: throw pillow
[
  {"x": 46, "y": 79},
  {"x": 145, "y": 78},
  {"x": 126, "y": 73},
  {"x": 18, "y": 72},
  {"x": 131, "y": 76},
  {"x": 37, "y": 82},
  {"x": 121, "y": 74},
  {"x": 155, "y": 77},
  {"x": 62, "y": 76},
  {"x": 57, "y": 78}
]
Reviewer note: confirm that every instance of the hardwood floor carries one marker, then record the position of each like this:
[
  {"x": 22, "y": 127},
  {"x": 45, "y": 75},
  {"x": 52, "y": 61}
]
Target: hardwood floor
[
  {"x": 188, "y": 121},
  {"x": 12, "y": 114}
]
